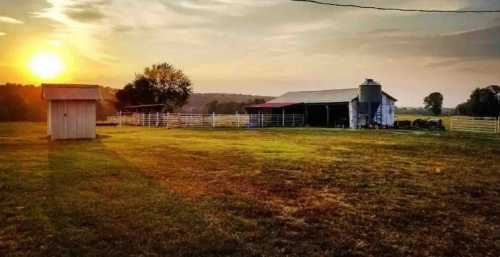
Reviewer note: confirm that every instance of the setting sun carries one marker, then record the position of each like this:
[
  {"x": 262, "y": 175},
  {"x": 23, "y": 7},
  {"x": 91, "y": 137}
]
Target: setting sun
[{"x": 46, "y": 65}]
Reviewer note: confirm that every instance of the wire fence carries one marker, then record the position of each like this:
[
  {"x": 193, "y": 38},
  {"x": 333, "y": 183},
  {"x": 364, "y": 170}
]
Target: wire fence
[
  {"x": 185, "y": 120},
  {"x": 475, "y": 124}
]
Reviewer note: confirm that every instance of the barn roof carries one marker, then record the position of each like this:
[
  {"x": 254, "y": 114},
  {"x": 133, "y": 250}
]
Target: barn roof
[
  {"x": 321, "y": 96},
  {"x": 270, "y": 105},
  {"x": 70, "y": 92}
]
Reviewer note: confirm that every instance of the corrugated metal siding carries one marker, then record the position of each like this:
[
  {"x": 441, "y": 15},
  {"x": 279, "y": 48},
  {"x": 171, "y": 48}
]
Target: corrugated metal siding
[
  {"x": 72, "y": 119},
  {"x": 387, "y": 108}
]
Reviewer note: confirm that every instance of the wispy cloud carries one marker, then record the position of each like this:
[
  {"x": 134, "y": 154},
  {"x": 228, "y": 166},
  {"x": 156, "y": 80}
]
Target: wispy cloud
[{"x": 9, "y": 20}]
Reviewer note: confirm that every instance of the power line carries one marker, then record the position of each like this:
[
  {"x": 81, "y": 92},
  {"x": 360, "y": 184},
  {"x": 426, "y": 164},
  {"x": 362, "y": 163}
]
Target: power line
[{"x": 395, "y": 9}]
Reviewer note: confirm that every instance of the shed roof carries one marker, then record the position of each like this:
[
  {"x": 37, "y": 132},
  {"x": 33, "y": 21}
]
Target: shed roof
[
  {"x": 321, "y": 96},
  {"x": 70, "y": 92}
]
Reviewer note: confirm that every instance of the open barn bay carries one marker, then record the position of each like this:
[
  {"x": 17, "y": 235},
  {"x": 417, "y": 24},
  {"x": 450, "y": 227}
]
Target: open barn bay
[{"x": 262, "y": 192}]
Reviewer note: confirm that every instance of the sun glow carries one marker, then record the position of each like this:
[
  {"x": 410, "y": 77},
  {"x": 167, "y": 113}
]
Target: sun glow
[{"x": 46, "y": 65}]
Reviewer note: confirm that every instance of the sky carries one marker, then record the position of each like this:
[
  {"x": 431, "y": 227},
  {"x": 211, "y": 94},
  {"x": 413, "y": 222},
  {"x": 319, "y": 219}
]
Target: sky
[{"x": 264, "y": 47}]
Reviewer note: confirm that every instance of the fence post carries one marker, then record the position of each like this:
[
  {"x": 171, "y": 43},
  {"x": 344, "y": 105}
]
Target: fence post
[
  {"x": 120, "y": 118},
  {"x": 261, "y": 120},
  {"x": 143, "y": 120},
  {"x": 213, "y": 119},
  {"x": 293, "y": 119},
  {"x": 498, "y": 124},
  {"x": 238, "y": 119},
  {"x": 451, "y": 123}
]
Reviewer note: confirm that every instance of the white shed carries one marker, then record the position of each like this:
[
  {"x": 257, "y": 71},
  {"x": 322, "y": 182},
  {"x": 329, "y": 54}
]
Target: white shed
[{"x": 71, "y": 110}]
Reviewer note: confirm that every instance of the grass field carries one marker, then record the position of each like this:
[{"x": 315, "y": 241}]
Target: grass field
[{"x": 262, "y": 192}]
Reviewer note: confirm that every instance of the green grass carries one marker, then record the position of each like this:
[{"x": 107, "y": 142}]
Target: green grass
[{"x": 262, "y": 192}]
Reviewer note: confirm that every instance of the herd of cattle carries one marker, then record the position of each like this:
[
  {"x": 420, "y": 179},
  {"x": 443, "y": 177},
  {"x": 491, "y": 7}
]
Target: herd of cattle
[{"x": 430, "y": 124}]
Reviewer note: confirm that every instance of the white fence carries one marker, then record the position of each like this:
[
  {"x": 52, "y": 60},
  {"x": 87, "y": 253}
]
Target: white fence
[
  {"x": 474, "y": 124},
  {"x": 183, "y": 120}
]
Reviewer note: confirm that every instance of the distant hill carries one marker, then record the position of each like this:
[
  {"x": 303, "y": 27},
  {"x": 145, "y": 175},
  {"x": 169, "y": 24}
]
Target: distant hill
[{"x": 198, "y": 101}]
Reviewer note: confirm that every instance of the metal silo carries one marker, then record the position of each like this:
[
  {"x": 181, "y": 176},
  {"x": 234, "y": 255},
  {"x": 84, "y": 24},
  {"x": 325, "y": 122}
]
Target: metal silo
[{"x": 370, "y": 98}]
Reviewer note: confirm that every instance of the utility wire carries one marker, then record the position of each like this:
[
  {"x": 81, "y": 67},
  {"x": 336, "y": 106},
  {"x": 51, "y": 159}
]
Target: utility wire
[{"x": 395, "y": 9}]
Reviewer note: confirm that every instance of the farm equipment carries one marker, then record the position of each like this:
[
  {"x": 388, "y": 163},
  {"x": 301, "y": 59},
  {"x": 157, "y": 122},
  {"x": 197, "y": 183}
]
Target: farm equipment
[{"x": 420, "y": 124}]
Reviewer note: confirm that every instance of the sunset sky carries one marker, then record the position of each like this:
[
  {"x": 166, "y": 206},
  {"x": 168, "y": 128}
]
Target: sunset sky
[{"x": 256, "y": 46}]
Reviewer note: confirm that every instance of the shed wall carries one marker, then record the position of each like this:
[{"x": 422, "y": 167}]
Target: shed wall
[{"x": 72, "y": 119}]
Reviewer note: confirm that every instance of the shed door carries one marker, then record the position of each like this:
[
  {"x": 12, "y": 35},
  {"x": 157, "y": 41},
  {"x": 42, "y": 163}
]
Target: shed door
[{"x": 73, "y": 119}]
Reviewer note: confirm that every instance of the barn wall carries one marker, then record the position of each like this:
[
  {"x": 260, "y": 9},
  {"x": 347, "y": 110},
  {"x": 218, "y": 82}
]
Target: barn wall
[
  {"x": 387, "y": 108},
  {"x": 72, "y": 119}
]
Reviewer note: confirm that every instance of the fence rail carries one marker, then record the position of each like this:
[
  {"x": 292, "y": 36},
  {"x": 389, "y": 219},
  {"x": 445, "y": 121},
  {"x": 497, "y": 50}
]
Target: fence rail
[
  {"x": 183, "y": 120},
  {"x": 474, "y": 124}
]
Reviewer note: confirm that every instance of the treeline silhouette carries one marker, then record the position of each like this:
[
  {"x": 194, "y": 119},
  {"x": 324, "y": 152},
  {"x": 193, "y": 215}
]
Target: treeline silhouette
[
  {"x": 231, "y": 107},
  {"x": 24, "y": 103}
]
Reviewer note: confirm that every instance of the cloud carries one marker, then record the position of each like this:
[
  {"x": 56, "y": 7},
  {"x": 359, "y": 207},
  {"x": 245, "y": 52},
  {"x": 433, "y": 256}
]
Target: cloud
[
  {"x": 85, "y": 12},
  {"x": 9, "y": 20}
]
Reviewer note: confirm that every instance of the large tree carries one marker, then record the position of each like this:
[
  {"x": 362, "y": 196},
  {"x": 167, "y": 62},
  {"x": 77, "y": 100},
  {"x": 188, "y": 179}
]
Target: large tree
[
  {"x": 159, "y": 84},
  {"x": 483, "y": 102},
  {"x": 434, "y": 103}
]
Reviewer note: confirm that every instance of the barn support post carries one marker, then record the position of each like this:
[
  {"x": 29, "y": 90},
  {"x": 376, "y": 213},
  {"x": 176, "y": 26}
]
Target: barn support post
[
  {"x": 327, "y": 115},
  {"x": 306, "y": 115},
  {"x": 283, "y": 116}
]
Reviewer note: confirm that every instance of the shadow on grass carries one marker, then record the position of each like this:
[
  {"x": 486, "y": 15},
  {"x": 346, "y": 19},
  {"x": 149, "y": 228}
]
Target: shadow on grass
[{"x": 92, "y": 202}]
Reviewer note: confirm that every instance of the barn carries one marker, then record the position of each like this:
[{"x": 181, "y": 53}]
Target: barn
[
  {"x": 71, "y": 110},
  {"x": 366, "y": 105}
]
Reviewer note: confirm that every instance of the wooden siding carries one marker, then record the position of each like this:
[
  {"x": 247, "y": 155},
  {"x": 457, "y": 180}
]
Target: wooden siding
[{"x": 72, "y": 119}]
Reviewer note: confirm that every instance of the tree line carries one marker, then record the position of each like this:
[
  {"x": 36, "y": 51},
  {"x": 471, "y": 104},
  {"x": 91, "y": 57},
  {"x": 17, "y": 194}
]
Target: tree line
[
  {"x": 166, "y": 85},
  {"x": 483, "y": 102},
  {"x": 24, "y": 103}
]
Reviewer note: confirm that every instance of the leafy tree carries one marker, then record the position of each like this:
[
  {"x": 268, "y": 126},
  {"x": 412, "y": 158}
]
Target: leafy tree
[
  {"x": 483, "y": 102},
  {"x": 434, "y": 103},
  {"x": 160, "y": 84}
]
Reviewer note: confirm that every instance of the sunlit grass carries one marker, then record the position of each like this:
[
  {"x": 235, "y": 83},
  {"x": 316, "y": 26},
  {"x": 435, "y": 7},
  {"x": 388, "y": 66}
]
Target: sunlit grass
[{"x": 261, "y": 192}]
